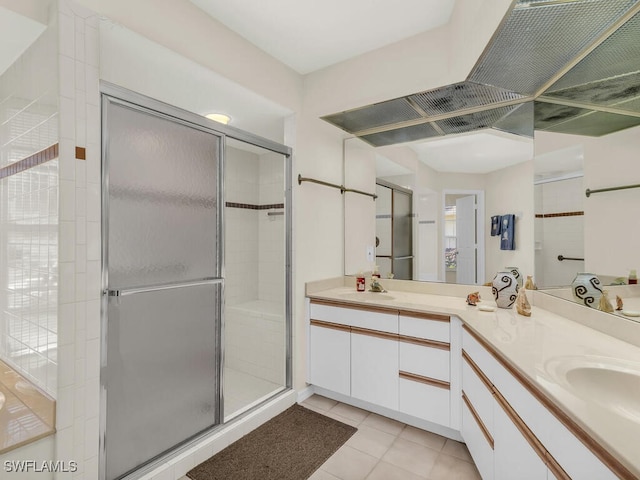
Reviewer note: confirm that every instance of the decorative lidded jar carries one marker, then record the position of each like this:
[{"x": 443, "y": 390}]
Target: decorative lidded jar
[
  {"x": 505, "y": 289},
  {"x": 516, "y": 273},
  {"x": 586, "y": 289}
]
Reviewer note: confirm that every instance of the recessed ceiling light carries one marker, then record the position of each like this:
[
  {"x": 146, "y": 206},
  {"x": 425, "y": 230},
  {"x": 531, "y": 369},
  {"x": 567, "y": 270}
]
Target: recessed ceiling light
[{"x": 219, "y": 117}]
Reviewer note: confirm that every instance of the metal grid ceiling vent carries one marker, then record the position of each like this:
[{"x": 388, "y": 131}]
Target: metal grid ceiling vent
[
  {"x": 475, "y": 121},
  {"x": 401, "y": 135},
  {"x": 376, "y": 115},
  {"x": 460, "y": 96},
  {"x": 538, "y": 39},
  {"x": 609, "y": 75},
  {"x": 618, "y": 55}
]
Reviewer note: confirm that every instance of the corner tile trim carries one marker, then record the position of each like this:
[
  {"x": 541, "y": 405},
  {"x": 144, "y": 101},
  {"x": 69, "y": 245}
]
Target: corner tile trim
[
  {"x": 560, "y": 214},
  {"x": 250, "y": 206},
  {"x": 81, "y": 153},
  {"x": 31, "y": 161}
]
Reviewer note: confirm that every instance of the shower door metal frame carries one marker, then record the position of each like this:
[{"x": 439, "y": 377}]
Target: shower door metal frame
[{"x": 119, "y": 95}]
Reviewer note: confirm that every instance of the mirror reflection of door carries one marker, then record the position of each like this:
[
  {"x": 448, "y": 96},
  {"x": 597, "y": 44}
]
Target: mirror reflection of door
[
  {"x": 461, "y": 253},
  {"x": 394, "y": 231}
]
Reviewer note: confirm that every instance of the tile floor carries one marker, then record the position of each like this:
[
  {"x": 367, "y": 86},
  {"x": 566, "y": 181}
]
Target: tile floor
[{"x": 384, "y": 449}]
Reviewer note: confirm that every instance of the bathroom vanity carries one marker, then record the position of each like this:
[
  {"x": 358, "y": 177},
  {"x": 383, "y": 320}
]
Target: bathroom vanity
[{"x": 540, "y": 397}]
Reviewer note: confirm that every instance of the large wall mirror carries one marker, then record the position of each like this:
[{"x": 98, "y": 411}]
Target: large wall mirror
[{"x": 587, "y": 136}]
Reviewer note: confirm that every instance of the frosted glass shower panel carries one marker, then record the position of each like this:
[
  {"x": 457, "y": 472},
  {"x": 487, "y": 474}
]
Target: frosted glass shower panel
[
  {"x": 163, "y": 178},
  {"x": 161, "y": 381}
]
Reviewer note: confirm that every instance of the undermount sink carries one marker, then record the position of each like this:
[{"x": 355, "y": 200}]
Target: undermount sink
[
  {"x": 613, "y": 384},
  {"x": 367, "y": 296}
]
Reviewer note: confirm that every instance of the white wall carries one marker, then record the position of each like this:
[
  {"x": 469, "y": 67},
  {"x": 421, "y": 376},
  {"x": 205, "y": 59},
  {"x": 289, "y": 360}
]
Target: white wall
[
  {"x": 29, "y": 214},
  {"x": 510, "y": 190},
  {"x": 359, "y": 210}
]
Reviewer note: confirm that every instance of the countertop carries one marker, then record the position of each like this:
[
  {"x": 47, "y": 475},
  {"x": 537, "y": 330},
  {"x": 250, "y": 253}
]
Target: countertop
[{"x": 541, "y": 347}]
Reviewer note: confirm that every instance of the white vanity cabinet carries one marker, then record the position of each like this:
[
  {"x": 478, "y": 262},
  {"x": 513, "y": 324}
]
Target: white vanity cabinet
[
  {"x": 510, "y": 429},
  {"x": 353, "y": 351},
  {"x": 394, "y": 359}
]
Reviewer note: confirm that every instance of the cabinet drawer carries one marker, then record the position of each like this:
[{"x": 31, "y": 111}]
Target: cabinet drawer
[
  {"x": 480, "y": 448},
  {"x": 425, "y": 361},
  {"x": 482, "y": 358},
  {"x": 356, "y": 317},
  {"x": 478, "y": 394},
  {"x": 424, "y": 401},
  {"x": 424, "y": 328}
]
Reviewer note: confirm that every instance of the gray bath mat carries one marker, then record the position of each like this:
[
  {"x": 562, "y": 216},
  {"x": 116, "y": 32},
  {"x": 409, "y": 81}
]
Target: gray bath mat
[{"x": 290, "y": 446}]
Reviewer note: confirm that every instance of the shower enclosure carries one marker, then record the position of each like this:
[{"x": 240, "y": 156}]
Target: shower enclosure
[{"x": 196, "y": 304}]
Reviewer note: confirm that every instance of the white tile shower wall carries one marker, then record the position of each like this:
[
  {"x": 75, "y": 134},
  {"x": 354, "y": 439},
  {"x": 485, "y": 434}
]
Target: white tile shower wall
[
  {"x": 241, "y": 234},
  {"x": 561, "y": 235},
  {"x": 29, "y": 214},
  {"x": 271, "y": 271},
  {"x": 78, "y": 401}
]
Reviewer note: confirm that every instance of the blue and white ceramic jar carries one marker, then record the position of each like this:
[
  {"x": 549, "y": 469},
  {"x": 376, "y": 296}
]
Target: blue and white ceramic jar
[
  {"x": 505, "y": 289},
  {"x": 586, "y": 289},
  {"x": 516, "y": 273}
]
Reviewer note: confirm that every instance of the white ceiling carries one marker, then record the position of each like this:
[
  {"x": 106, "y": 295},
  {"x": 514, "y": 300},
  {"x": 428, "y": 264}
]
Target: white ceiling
[
  {"x": 310, "y": 35},
  {"x": 186, "y": 84},
  {"x": 16, "y": 34},
  {"x": 478, "y": 153}
]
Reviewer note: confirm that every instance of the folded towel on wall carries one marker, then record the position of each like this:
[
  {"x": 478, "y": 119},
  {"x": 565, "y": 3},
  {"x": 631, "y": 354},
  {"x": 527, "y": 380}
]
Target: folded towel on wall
[
  {"x": 507, "y": 232},
  {"x": 496, "y": 225}
]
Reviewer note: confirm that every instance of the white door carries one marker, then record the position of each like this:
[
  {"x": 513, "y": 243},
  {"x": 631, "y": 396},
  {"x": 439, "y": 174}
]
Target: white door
[{"x": 466, "y": 240}]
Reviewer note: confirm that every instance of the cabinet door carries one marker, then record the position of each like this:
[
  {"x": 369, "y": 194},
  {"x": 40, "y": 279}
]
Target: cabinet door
[
  {"x": 513, "y": 456},
  {"x": 374, "y": 369},
  {"x": 329, "y": 359}
]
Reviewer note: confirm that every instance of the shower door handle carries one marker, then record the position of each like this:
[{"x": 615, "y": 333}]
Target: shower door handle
[{"x": 165, "y": 286}]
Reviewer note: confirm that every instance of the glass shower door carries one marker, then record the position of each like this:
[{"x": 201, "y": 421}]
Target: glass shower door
[
  {"x": 402, "y": 235},
  {"x": 162, "y": 283}
]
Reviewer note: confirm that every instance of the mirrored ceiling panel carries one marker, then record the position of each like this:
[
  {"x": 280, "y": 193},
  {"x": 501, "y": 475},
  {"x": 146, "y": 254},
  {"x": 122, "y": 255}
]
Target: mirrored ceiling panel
[
  {"x": 581, "y": 121},
  {"x": 548, "y": 115},
  {"x": 519, "y": 121},
  {"x": 372, "y": 116},
  {"x": 401, "y": 135},
  {"x": 460, "y": 96}
]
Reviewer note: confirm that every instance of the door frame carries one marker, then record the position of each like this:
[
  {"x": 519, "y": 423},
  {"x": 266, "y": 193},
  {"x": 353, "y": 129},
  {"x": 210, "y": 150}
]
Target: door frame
[
  {"x": 407, "y": 191},
  {"x": 480, "y": 232}
]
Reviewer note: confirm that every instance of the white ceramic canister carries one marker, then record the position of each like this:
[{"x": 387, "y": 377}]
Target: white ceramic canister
[
  {"x": 586, "y": 289},
  {"x": 505, "y": 289},
  {"x": 516, "y": 273}
]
